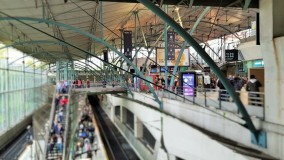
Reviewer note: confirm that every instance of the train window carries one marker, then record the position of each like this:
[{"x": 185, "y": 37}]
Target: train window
[
  {"x": 130, "y": 119},
  {"x": 148, "y": 138},
  {"x": 117, "y": 111}
]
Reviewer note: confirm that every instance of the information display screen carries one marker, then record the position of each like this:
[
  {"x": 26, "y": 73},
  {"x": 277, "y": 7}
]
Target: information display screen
[{"x": 188, "y": 84}]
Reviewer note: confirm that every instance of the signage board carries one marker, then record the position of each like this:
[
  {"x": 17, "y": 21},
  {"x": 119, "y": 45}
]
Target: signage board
[
  {"x": 206, "y": 69},
  {"x": 258, "y": 63},
  {"x": 231, "y": 55},
  {"x": 127, "y": 35},
  {"x": 160, "y": 57},
  {"x": 105, "y": 53},
  {"x": 171, "y": 45}
]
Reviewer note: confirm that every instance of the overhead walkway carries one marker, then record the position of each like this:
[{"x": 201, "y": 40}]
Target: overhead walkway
[{"x": 99, "y": 88}]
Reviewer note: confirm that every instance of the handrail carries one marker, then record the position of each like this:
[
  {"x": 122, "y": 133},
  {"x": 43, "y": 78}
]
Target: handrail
[
  {"x": 52, "y": 112},
  {"x": 216, "y": 97},
  {"x": 66, "y": 127}
]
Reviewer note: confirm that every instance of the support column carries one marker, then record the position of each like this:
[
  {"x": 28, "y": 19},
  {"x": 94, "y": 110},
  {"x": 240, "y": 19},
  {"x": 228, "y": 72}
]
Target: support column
[
  {"x": 24, "y": 86},
  {"x": 57, "y": 71},
  {"x": 138, "y": 127},
  {"x": 7, "y": 118},
  {"x": 272, "y": 49}
]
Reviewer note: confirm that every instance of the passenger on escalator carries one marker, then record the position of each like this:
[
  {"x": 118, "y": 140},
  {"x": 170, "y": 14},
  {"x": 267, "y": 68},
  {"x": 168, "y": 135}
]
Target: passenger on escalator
[
  {"x": 59, "y": 129},
  {"x": 60, "y": 115},
  {"x": 55, "y": 126},
  {"x": 50, "y": 144},
  {"x": 81, "y": 126},
  {"x": 87, "y": 145},
  {"x": 79, "y": 144},
  {"x": 90, "y": 127},
  {"x": 64, "y": 101},
  {"x": 59, "y": 143},
  {"x": 58, "y": 87},
  {"x": 57, "y": 100},
  {"x": 83, "y": 134},
  {"x": 91, "y": 137}
]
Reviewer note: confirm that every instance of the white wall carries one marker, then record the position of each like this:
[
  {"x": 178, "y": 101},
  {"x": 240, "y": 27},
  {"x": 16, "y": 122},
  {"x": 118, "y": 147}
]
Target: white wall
[
  {"x": 181, "y": 139},
  {"x": 189, "y": 143},
  {"x": 250, "y": 50},
  {"x": 228, "y": 129}
]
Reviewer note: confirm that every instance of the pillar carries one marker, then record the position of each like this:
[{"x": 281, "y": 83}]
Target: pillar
[
  {"x": 272, "y": 48},
  {"x": 138, "y": 127}
]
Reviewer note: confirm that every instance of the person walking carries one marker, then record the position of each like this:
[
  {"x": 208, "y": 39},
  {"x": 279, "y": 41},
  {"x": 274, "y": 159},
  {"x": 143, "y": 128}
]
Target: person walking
[{"x": 253, "y": 87}]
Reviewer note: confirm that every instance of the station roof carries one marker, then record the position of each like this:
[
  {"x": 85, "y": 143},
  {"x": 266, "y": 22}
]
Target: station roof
[{"x": 223, "y": 18}]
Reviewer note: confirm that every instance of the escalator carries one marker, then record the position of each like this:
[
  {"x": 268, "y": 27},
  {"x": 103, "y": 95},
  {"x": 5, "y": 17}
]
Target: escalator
[{"x": 116, "y": 146}]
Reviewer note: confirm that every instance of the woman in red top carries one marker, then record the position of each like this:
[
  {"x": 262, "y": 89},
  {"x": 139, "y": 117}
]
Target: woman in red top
[{"x": 64, "y": 101}]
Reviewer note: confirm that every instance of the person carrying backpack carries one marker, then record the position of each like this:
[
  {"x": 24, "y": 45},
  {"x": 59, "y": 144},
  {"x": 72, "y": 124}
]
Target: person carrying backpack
[{"x": 253, "y": 86}]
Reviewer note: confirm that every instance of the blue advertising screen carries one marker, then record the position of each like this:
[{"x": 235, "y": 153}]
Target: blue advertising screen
[
  {"x": 153, "y": 70},
  {"x": 162, "y": 69},
  {"x": 188, "y": 84}
]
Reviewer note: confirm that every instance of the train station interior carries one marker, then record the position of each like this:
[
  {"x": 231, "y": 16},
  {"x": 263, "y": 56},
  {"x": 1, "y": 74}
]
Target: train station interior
[{"x": 141, "y": 79}]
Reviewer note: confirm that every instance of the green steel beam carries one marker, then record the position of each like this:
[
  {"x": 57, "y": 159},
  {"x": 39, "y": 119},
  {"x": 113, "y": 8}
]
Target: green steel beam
[
  {"x": 101, "y": 19},
  {"x": 207, "y": 59},
  {"x": 206, "y": 10},
  {"x": 191, "y": 3},
  {"x": 247, "y": 3}
]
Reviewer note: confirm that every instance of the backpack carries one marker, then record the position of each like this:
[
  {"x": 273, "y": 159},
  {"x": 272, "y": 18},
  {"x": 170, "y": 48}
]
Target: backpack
[
  {"x": 238, "y": 84},
  {"x": 252, "y": 86}
]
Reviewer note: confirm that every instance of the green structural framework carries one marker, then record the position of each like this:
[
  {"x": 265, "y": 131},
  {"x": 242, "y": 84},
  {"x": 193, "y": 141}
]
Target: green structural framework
[{"x": 257, "y": 136}]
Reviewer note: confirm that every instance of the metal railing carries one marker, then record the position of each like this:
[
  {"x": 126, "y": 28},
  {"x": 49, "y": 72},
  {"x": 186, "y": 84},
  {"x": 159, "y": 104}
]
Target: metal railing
[
  {"x": 207, "y": 97},
  {"x": 52, "y": 113}
]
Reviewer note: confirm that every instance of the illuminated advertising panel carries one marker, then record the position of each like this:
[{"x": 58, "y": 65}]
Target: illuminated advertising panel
[
  {"x": 160, "y": 57},
  {"x": 188, "y": 84}
]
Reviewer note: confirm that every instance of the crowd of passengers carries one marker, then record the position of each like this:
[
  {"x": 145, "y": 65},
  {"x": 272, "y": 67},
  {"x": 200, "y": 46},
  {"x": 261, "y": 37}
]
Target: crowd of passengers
[
  {"x": 63, "y": 86},
  {"x": 252, "y": 86},
  {"x": 78, "y": 83},
  {"x": 55, "y": 141},
  {"x": 85, "y": 134}
]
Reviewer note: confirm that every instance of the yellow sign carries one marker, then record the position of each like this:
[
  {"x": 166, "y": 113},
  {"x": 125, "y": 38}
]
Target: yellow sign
[{"x": 160, "y": 57}]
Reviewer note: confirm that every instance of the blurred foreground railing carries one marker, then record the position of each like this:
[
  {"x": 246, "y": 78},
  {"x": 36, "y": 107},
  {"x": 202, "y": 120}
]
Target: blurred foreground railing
[{"x": 207, "y": 97}]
